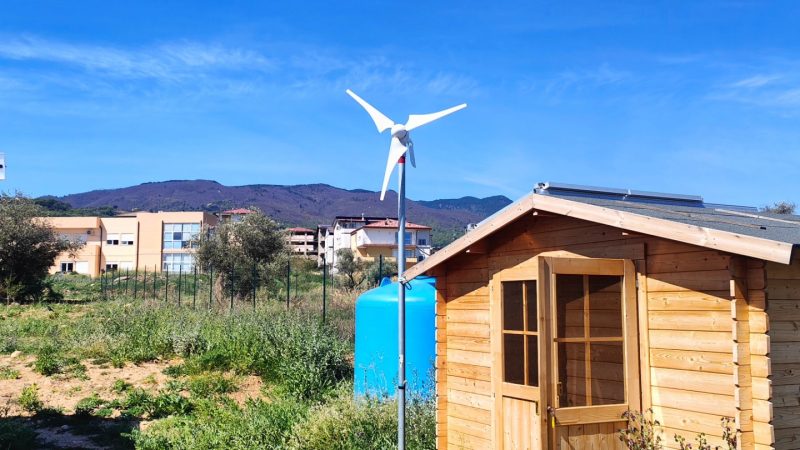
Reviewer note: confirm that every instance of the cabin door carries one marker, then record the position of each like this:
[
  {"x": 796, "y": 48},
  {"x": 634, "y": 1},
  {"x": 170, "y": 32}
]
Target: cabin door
[
  {"x": 518, "y": 397},
  {"x": 592, "y": 370}
]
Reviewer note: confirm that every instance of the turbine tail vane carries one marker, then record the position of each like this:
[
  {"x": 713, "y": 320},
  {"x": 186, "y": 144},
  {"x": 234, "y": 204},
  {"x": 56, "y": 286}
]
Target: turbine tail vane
[{"x": 382, "y": 122}]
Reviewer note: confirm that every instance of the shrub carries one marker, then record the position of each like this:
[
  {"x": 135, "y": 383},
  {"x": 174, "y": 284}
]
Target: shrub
[
  {"x": 16, "y": 435},
  {"x": 48, "y": 361},
  {"x": 259, "y": 424},
  {"x": 87, "y": 405},
  {"x": 169, "y": 403},
  {"x": 210, "y": 384},
  {"x": 121, "y": 386},
  {"x": 642, "y": 431},
  {"x": 8, "y": 373},
  {"x": 29, "y": 399}
]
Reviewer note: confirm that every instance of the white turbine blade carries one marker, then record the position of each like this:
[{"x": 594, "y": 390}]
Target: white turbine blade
[
  {"x": 418, "y": 120},
  {"x": 396, "y": 150},
  {"x": 382, "y": 122},
  {"x": 411, "y": 153}
]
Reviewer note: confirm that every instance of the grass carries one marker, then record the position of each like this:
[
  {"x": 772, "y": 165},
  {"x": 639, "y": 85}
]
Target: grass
[
  {"x": 306, "y": 366},
  {"x": 8, "y": 373}
]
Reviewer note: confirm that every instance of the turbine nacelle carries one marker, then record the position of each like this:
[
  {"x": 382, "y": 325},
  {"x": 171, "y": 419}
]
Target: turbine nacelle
[{"x": 401, "y": 138}]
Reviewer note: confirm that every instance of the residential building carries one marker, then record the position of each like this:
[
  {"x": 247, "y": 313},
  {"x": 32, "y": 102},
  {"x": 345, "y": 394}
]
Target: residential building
[
  {"x": 370, "y": 237},
  {"x": 302, "y": 242},
  {"x": 161, "y": 241},
  {"x": 234, "y": 215},
  {"x": 379, "y": 238}
]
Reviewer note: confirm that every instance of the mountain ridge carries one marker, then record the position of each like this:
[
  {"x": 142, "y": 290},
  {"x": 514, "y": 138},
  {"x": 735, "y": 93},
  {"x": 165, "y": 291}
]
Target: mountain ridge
[{"x": 292, "y": 205}]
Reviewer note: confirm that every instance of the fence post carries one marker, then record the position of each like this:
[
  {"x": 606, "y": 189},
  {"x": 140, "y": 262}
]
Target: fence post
[
  {"x": 288, "y": 280},
  {"x": 127, "y": 276},
  {"x": 155, "y": 276},
  {"x": 144, "y": 285},
  {"x": 233, "y": 280},
  {"x": 135, "y": 281},
  {"x": 194, "y": 289},
  {"x": 210, "y": 287},
  {"x": 254, "y": 286},
  {"x": 324, "y": 288},
  {"x": 166, "y": 286},
  {"x": 180, "y": 275},
  {"x": 380, "y": 268}
]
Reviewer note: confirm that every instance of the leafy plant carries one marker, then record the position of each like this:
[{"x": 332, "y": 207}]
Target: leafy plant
[
  {"x": 87, "y": 405},
  {"x": 8, "y": 373},
  {"x": 29, "y": 399},
  {"x": 120, "y": 386},
  {"x": 210, "y": 384}
]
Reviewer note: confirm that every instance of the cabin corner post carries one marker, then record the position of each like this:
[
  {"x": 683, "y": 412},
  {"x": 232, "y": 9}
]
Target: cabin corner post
[
  {"x": 441, "y": 359},
  {"x": 644, "y": 334},
  {"x": 761, "y": 363},
  {"x": 743, "y": 392}
]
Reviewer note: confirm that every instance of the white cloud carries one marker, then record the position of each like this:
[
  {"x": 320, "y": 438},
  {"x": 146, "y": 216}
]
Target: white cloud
[{"x": 755, "y": 81}]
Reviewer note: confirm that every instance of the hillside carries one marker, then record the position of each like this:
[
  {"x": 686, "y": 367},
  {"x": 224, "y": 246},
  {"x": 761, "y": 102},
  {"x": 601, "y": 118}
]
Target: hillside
[{"x": 300, "y": 205}]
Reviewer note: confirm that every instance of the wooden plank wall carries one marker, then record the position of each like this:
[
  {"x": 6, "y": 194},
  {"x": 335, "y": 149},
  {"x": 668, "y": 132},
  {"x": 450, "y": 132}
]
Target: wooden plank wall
[
  {"x": 783, "y": 308},
  {"x": 691, "y": 323}
]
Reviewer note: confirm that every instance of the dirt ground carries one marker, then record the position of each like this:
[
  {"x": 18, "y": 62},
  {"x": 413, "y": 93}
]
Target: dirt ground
[{"x": 63, "y": 393}]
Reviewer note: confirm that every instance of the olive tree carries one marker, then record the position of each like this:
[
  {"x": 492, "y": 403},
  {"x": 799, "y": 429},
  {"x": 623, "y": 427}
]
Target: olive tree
[
  {"x": 243, "y": 254},
  {"x": 781, "y": 208},
  {"x": 28, "y": 248}
]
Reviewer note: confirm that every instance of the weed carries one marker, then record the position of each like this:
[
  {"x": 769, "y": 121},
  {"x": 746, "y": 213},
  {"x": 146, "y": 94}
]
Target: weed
[
  {"x": 14, "y": 434},
  {"x": 48, "y": 361},
  {"x": 87, "y": 405},
  {"x": 210, "y": 384},
  {"x": 121, "y": 386},
  {"x": 8, "y": 373},
  {"x": 29, "y": 399},
  {"x": 168, "y": 403},
  {"x": 642, "y": 431}
]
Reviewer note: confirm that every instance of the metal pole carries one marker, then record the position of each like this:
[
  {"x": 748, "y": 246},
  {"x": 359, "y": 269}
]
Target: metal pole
[
  {"x": 210, "y": 287},
  {"x": 324, "y": 288},
  {"x": 144, "y": 285},
  {"x": 288, "y": 280},
  {"x": 401, "y": 305},
  {"x": 155, "y": 276},
  {"x": 254, "y": 286},
  {"x": 380, "y": 268},
  {"x": 166, "y": 285},
  {"x": 127, "y": 276},
  {"x": 180, "y": 275},
  {"x": 194, "y": 289},
  {"x": 135, "y": 281},
  {"x": 233, "y": 279}
]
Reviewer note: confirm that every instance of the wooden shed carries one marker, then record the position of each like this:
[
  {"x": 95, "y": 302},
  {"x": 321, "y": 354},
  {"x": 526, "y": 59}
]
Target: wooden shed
[{"x": 575, "y": 304}]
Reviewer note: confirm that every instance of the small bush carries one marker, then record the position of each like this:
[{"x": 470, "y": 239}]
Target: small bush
[
  {"x": 167, "y": 404},
  {"x": 87, "y": 405},
  {"x": 29, "y": 399},
  {"x": 16, "y": 435},
  {"x": 48, "y": 361},
  {"x": 121, "y": 386},
  {"x": 642, "y": 432},
  {"x": 136, "y": 403},
  {"x": 210, "y": 384},
  {"x": 7, "y": 373}
]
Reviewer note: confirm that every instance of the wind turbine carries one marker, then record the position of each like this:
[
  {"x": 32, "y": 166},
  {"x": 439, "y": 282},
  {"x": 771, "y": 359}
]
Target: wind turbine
[{"x": 400, "y": 145}]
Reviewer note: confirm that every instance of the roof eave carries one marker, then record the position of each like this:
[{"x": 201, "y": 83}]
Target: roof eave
[{"x": 766, "y": 249}]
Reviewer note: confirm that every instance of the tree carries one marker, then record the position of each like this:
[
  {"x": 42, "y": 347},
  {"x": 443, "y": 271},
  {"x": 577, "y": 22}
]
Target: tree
[
  {"x": 28, "y": 248},
  {"x": 781, "y": 208},
  {"x": 352, "y": 268},
  {"x": 243, "y": 254}
]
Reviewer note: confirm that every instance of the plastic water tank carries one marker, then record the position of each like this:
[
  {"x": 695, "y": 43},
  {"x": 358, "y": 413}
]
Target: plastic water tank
[{"x": 376, "y": 338}]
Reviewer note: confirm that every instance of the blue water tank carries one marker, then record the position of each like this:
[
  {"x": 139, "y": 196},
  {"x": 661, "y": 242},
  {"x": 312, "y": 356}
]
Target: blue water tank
[{"x": 376, "y": 338}]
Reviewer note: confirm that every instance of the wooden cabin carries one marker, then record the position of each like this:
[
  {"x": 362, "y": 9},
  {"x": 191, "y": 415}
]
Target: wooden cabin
[{"x": 573, "y": 305}]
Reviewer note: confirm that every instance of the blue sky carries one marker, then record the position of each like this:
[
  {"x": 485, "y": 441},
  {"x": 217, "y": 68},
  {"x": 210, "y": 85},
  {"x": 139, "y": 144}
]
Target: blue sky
[{"x": 689, "y": 97}]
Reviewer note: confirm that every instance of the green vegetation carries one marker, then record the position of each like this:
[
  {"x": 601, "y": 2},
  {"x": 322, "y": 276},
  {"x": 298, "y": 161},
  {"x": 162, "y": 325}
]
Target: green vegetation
[
  {"x": 29, "y": 399},
  {"x": 7, "y": 373},
  {"x": 28, "y": 247},
  {"x": 56, "y": 208}
]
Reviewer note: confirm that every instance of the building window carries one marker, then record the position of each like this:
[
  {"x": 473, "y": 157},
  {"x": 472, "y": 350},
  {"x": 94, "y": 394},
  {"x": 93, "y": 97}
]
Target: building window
[
  {"x": 112, "y": 239},
  {"x": 112, "y": 267},
  {"x": 407, "y": 239},
  {"x": 126, "y": 239},
  {"x": 180, "y": 235},
  {"x": 175, "y": 262},
  {"x": 520, "y": 333},
  {"x": 67, "y": 267},
  {"x": 422, "y": 241}
]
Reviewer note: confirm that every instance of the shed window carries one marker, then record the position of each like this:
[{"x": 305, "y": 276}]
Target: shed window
[
  {"x": 520, "y": 333},
  {"x": 590, "y": 340}
]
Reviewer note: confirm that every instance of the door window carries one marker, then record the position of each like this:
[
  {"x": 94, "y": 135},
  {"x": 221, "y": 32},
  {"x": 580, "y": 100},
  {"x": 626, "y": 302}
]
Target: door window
[
  {"x": 589, "y": 340},
  {"x": 520, "y": 333}
]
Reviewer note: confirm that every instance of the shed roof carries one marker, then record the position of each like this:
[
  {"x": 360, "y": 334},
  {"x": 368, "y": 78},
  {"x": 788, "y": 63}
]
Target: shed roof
[{"x": 688, "y": 219}]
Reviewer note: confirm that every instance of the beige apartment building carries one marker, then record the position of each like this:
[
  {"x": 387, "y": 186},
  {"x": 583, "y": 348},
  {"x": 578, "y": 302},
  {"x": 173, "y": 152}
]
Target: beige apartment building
[{"x": 159, "y": 241}]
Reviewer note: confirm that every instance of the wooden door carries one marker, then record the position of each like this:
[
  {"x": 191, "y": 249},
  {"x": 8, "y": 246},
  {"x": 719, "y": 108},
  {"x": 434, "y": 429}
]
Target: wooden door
[
  {"x": 592, "y": 374},
  {"x": 518, "y": 357}
]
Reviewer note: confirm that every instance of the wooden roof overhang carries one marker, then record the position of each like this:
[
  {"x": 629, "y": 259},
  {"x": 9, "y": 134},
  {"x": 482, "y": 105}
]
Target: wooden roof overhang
[{"x": 766, "y": 249}]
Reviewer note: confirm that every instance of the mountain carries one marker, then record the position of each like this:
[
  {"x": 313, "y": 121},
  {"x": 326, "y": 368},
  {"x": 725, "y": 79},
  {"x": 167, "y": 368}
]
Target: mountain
[{"x": 299, "y": 205}]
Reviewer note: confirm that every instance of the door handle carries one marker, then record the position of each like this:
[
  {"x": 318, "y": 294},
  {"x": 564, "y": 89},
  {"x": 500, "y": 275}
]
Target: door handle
[{"x": 551, "y": 416}]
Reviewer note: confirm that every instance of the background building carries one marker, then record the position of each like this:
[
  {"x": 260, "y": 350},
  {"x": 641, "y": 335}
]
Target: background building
[
  {"x": 158, "y": 241},
  {"x": 302, "y": 242}
]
